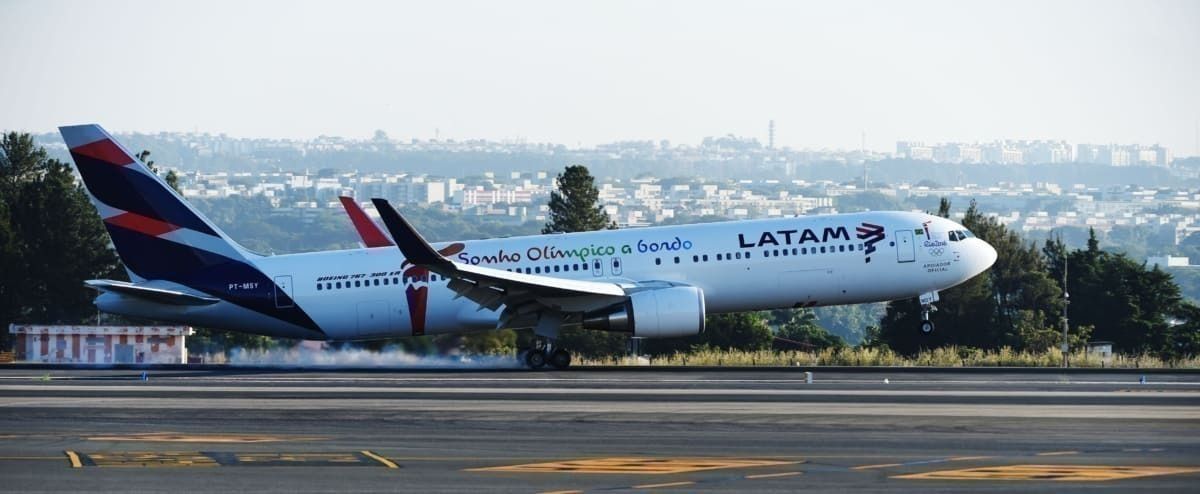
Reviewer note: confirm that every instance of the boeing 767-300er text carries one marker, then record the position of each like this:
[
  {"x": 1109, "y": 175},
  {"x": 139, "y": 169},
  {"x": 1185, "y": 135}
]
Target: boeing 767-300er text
[{"x": 656, "y": 282}]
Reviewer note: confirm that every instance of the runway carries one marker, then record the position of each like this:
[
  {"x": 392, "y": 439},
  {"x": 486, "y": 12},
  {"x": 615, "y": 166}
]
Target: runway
[{"x": 276, "y": 430}]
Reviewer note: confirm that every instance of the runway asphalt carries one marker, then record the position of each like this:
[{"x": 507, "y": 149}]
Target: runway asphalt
[{"x": 323, "y": 430}]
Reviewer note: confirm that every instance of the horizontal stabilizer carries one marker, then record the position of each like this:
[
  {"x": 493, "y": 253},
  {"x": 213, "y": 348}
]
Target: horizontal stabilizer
[{"x": 159, "y": 295}]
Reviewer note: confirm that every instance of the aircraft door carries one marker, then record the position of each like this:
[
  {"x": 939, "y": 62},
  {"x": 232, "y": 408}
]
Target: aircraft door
[
  {"x": 906, "y": 246},
  {"x": 597, "y": 267},
  {"x": 615, "y": 264},
  {"x": 283, "y": 292}
]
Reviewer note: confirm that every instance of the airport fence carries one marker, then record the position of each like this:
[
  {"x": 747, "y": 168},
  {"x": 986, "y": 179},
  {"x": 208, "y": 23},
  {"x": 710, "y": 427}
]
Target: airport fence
[{"x": 882, "y": 357}]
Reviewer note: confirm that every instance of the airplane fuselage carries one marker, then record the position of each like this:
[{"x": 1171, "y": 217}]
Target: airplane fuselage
[{"x": 739, "y": 266}]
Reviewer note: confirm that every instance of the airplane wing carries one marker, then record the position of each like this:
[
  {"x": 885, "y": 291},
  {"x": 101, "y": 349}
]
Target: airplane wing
[
  {"x": 159, "y": 295},
  {"x": 370, "y": 233},
  {"x": 492, "y": 288}
]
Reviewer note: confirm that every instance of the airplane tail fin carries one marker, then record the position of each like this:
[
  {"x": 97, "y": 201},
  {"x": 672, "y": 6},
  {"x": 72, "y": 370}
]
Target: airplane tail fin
[
  {"x": 155, "y": 232},
  {"x": 368, "y": 231}
]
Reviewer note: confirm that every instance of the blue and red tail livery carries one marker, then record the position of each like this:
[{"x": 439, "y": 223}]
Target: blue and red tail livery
[
  {"x": 153, "y": 229},
  {"x": 161, "y": 239}
]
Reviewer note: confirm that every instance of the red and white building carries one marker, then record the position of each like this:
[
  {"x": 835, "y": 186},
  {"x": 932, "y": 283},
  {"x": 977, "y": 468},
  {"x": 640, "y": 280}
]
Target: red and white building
[{"x": 100, "y": 344}]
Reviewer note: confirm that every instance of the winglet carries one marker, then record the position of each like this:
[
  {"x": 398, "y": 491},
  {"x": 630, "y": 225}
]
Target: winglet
[
  {"x": 415, "y": 249},
  {"x": 370, "y": 233}
]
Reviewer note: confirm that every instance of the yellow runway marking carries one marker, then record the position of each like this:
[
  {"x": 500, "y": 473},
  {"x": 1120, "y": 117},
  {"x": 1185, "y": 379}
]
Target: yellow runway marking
[
  {"x": 634, "y": 465},
  {"x": 386, "y": 462},
  {"x": 1058, "y": 453},
  {"x": 659, "y": 486},
  {"x": 74, "y": 458},
  {"x": 295, "y": 458},
  {"x": 151, "y": 459},
  {"x": 1063, "y": 473},
  {"x": 773, "y": 475}
]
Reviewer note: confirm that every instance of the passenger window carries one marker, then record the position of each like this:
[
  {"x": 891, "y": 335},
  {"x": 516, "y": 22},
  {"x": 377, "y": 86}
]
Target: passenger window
[
  {"x": 841, "y": 248},
  {"x": 657, "y": 261},
  {"x": 339, "y": 285},
  {"x": 822, "y": 249},
  {"x": 695, "y": 258},
  {"x": 719, "y": 257},
  {"x": 676, "y": 259},
  {"x": 738, "y": 255},
  {"x": 704, "y": 257},
  {"x": 318, "y": 287}
]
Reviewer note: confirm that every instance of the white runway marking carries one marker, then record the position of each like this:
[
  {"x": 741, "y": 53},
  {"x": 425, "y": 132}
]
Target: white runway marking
[
  {"x": 595, "y": 391},
  {"x": 595, "y": 410},
  {"x": 818, "y": 381}
]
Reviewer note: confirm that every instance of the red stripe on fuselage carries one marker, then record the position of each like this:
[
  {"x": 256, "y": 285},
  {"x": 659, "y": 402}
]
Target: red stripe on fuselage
[
  {"x": 141, "y": 224},
  {"x": 104, "y": 150}
]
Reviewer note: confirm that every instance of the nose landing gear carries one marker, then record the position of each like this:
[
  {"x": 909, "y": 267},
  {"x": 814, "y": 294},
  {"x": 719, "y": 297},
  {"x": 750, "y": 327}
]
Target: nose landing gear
[{"x": 927, "y": 308}]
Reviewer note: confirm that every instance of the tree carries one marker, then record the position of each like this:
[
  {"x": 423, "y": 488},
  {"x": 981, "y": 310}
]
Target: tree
[
  {"x": 737, "y": 331},
  {"x": 747, "y": 331},
  {"x": 171, "y": 178},
  {"x": 802, "y": 331},
  {"x": 1124, "y": 301},
  {"x": 575, "y": 206},
  {"x": 988, "y": 311},
  {"x": 51, "y": 238}
]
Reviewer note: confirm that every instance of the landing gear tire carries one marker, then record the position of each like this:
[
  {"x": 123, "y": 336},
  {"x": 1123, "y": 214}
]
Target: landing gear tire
[
  {"x": 560, "y": 359},
  {"x": 535, "y": 358},
  {"x": 926, "y": 327}
]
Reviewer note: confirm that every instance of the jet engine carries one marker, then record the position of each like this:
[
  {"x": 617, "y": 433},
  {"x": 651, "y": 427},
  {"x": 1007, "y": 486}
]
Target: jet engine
[{"x": 654, "y": 313}]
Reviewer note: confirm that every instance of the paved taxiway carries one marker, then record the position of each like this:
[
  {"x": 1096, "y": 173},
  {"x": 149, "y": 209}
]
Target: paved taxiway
[{"x": 642, "y": 431}]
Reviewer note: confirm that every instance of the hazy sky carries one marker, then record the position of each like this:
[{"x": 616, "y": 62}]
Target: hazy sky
[{"x": 576, "y": 72}]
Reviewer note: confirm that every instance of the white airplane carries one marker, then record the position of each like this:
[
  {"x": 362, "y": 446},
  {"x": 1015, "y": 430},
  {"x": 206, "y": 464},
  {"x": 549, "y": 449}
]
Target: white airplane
[{"x": 656, "y": 282}]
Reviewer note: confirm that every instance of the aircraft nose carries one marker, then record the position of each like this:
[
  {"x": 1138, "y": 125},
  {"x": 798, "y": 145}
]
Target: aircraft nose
[{"x": 985, "y": 255}]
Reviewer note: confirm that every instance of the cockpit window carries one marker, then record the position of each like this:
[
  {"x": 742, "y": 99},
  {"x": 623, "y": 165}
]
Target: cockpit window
[{"x": 956, "y": 235}]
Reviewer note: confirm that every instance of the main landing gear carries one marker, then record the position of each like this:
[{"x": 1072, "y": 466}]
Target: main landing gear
[
  {"x": 927, "y": 308},
  {"x": 543, "y": 354}
]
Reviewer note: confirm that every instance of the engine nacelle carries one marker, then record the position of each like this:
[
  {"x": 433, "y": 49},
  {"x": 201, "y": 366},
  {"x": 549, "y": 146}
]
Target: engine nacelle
[{"x": 656, "y": 313}]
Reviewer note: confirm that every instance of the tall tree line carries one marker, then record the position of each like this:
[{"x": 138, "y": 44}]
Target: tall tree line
[
  {"x": 1018, "y": 303},
  {"x": 51, "y": 240}
]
